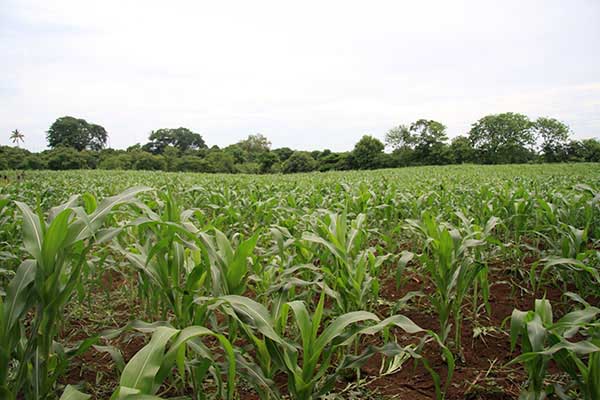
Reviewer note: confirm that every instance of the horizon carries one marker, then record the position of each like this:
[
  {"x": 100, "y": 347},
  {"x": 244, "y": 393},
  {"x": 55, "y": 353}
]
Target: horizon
[{"x": 308, "y": 77}]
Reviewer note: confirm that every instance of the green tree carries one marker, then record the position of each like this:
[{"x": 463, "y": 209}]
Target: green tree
[
  {"x": 116, "y": 161},
  {"x": 367, "y": 153},
  {"x": 135, "y": 147},
  {"x": 430, "y": 142},
  {"x": 76, "y": 133},
  {"x": 403, "y": 157},
  {"x": 192, "y": 164},
  {"x": 257, "y": 143},
  {"x": 182, "y": 139},
  {"x": 461, "y": 150},
  {"x": 283, "y": 153},
  {"x": 35, "y": 161},
  {"x": 64, "y": 158},
  {"x": 503, "y": 138},
  {"x": 330, "y": 161},
  {"x": 220, "y": 161},
  {"x": 266, "y": 161},
  {"x": 17, "y": 137},
  {"x": 553, "y": 136},
  {"x": 170, "y": 154},
  {"x": 584, "y": 150},
  {"x": 400, "y": 138},
  {"x": 149, "y": 162},
  {"x": 254, "y": 146},
  {"x": 13, "y": 157},
  {"x": 239, "y": 155},
  {"x": 299, "y": 161}
]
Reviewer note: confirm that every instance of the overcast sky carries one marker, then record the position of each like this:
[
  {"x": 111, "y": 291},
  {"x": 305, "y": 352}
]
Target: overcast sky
[{"x": 308, "y": 75}]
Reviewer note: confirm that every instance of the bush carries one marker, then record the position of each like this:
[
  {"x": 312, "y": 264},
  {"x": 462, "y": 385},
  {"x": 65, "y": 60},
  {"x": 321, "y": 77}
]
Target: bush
[
  {"x": 148, "y": 162},
  {"x": 13, "y": 157},
  {"x": 63, "y": 158},
  {"x": 192, "y": 164},
  {"x": 35, "y": 161},
  {"x": 248, "y": 168},
  {"x": 116, "y": 161},
  {"x": 220, "y": 161},
  {"x": 299, "y": 162}
]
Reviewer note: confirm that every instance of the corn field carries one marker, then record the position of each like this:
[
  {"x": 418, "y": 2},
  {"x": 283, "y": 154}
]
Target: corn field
[{"x": 478, "y": 282}]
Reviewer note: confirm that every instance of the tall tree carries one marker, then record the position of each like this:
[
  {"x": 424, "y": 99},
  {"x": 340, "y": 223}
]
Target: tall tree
[
  {"x": 283, "y": 153},
  {"x": 461, "y": 150},
  {"x": 254, "y": 146},
  {"x": 367, "y": 153},
  {"x": 503, "y": 138},
  {"x": 553, "y": 136},
  {"x": 76, "y": 133},
  {"x": 430, "y": 141},
  {"x": 299, "y": 161},
  {"x": 255, "y": 143},
  {"x": 182, "y": 139},
  {"x": 267, "y": 160},
  {"x": 17, "y": 137},
  {"x": 400, "y": 138}
]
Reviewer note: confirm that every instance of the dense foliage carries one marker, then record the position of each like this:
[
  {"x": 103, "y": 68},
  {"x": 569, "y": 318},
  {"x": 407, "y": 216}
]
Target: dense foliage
[
  {"x": 76, "y": 133},
  {"x": 494, "y": 139}
]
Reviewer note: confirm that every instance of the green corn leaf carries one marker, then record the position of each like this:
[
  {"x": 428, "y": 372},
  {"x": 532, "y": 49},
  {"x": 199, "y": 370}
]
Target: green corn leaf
[
  {"x": 17, "y": 294},
  {"x": 140, "y": 371},
  {"x": 55, "y": 237},
  {"x": 536, "y": 333},
  {"x": 258, "y": 314},
  {"x": 518, "y": 321},
  {"x": 33, "y": 232},
  {"x": 71, "y": 393},
  {"x": 225, "y": 248},
  {"x": 573, "y": 321},
  {"x": 237, "y": 269},
  {"x": 114, "y": 353},
  {"x": 105, "y": 207},
  {"x": 304, "y": 326},
  {"x": 338, "y": 326},
  {"x": 188, "y": 334}
]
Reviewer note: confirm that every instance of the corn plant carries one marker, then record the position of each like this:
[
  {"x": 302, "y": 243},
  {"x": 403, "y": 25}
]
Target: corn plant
[
  {"x": 228, "y": 260},
  {"x": 168, "y": 262},
  {"x": 147, "y": 370},
  {"x": 30, "y": 359},
  {"x": 569, "y": 260},
  {"x": 10, "y": 229},
  {"x": 176, "y": 262},
  {"x": 348, "y": 268},
  {"x": 451, "y": 263},
  {"x": 313, "y": 353},
  {"x": 543, "y": 340}
]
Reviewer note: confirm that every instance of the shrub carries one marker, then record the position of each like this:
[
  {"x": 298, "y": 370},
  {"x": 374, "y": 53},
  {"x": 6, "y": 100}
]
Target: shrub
[{"x": 299, "y": 162}]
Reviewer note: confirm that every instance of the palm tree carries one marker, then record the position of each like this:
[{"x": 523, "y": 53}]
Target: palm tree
[{"x": 17, "y": 137}]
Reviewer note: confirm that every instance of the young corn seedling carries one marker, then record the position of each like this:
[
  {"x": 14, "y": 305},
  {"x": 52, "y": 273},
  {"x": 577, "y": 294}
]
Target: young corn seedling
[
  {"x": 228, "y": 260},
  {"x": 30, "y": 359},
  {"x": 448, "y": 259},
  {"x": 314, "y": 353},
  {"x": 148, "y": 369},
  {"x": 169, "y": 263},
  {"x": 176, "y": 262},
  {"x": 348, "y": 268},
  {"x": 543, "y": 340}
]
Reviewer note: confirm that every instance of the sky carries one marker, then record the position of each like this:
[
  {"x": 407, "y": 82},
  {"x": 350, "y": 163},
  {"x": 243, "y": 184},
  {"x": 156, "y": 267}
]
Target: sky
[{"x": 308, "y": 75}]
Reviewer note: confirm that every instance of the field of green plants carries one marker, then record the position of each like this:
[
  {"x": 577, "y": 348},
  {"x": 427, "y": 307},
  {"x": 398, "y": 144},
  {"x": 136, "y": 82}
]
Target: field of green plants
[{"x": 457, "y": 282}]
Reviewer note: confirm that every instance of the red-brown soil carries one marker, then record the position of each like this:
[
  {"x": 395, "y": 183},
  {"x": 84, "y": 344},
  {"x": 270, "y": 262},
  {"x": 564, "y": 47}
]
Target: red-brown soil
[{"x": 482, "y": 375}]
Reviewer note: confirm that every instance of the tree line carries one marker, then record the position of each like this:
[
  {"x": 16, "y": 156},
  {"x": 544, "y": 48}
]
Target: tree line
[{"x": 494, "y": 139}]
